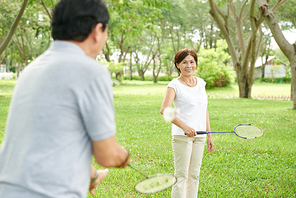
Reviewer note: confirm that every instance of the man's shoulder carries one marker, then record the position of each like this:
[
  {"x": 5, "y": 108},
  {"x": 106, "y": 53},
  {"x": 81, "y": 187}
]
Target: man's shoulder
[{"x": 71, "y": 60}]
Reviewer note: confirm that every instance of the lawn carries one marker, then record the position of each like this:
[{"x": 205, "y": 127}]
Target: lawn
[
  {"x": 150, "y": 88},
  {"x": 264, "y": 167}
]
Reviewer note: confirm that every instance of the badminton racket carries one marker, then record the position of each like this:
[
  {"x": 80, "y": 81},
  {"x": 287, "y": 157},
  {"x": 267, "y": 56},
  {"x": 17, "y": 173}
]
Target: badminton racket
[
  {"x": 245, "y": 131},
  {"x": 154, "y": 183}
]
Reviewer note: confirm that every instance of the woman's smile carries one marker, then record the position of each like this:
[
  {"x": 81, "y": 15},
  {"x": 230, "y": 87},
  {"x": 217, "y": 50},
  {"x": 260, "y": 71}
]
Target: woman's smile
[{"x": 187, "y": 65}]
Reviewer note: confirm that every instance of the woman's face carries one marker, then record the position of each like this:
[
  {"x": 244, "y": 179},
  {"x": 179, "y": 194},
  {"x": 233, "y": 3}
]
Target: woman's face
[{"x": 187, "y": 66}]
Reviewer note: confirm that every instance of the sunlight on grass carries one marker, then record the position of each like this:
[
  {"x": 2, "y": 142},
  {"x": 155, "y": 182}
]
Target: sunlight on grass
[{"x": 149, "y": 88}]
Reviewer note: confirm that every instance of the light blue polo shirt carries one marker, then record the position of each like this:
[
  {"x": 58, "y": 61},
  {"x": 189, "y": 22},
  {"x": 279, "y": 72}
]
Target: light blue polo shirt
[{"x": 62, "y": 101}]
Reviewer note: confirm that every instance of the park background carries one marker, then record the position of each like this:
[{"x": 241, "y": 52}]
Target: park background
[{"x": 144, "y": 36}]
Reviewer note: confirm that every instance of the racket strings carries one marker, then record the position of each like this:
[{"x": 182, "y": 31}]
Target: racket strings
[
  {"x": 248, "y": 131},
  {"x": 155, "y": 183}
]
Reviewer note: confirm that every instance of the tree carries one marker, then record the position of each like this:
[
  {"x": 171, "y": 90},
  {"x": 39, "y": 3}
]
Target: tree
[
  {"x": 245, "y": 53},
  {"x": 32, "y": 35},
  {"x": 114, "y": 68},
  {"x": 265, "y": 52},
  {"x": 13, "y": 27},
  {"x": 128, "y": 21},
  {"x": 288, "y": 49}
]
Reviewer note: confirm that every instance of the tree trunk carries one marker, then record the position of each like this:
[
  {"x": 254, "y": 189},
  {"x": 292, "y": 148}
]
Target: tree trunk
[
  {"x": 154, "y": 68},
  {"x": 241, "y": 79},
  {"x": 293, "y": 79},
  {"x": 45, "y": 8},
  {"x": 107, "y": 52},
  {"x": 156, "y": 71},
  {"x": 21, "y": 49},
  {"x": 239, "y": 28},
  {"x": 288, "y": 49},
  {"x": 263, "y": 70},
  {"x": 131, "y": 66},
  {"x": 16, "y": 71},
  {"x": 13, "y": 27},
  {"x": 141, "y": 73},
  {"x": 2, "y": 56},
  {"x": 253, "y": 53}
]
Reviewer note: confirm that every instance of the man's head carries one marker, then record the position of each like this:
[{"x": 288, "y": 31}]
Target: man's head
[{"x": 75, "y": 19}]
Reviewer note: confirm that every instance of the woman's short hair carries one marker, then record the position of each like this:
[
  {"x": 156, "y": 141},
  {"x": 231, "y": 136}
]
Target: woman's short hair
[
  {"x": 75, "y": 19},
  {"x": 181, "y": 54}
]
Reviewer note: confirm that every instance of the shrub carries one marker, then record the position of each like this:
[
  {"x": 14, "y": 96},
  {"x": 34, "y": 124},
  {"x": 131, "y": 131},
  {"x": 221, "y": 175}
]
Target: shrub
[
  {"x": 115, "y": 82},
  {"x": 274, "y": 80},
  {"x": 286, "y": 80},
  {"x": 212, "y": 66}
]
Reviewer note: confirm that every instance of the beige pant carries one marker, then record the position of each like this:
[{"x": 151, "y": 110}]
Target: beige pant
[{"x": 188, "y": 152}]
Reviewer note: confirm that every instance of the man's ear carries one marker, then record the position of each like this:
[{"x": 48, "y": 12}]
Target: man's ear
[{"x": 98, "y": 31}]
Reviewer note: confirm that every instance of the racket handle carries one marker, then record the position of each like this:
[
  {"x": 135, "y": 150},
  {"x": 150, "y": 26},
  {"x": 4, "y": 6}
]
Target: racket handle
[{"x": 201, "y": 132}]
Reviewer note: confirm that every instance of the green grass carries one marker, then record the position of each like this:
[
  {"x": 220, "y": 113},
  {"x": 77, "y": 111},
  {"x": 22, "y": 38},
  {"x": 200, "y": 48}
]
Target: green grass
[
  {"x": 6, "y": 89},
  {"x": 149, "y": 88},
  {"x": 264, "y": 167}
]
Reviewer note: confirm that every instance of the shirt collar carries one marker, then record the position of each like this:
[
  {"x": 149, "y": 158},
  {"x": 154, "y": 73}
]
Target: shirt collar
[{"x": 66, "y": 46}]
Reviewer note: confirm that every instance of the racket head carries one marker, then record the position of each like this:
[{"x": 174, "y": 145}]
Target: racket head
[
  {"x": 248, "y": 131},
  {"x": 155, "y": 183}
]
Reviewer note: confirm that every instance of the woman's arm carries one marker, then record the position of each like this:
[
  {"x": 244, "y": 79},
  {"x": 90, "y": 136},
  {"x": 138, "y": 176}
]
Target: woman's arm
[
  {"x": 100, "y": 177},
  {"x": 210, "y": 141},
  {"x": 167, "y": 102}
]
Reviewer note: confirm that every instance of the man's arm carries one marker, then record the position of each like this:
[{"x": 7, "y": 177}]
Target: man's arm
[{"x": 109, "y": 153}]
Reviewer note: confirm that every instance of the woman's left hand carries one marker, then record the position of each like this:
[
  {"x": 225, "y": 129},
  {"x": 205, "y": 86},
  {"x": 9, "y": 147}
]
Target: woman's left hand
[{"x": 211, "y": 144}]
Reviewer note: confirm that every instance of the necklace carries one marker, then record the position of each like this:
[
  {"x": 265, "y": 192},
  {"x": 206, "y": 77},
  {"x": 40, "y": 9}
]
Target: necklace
[{"x": 192, "y": 84}]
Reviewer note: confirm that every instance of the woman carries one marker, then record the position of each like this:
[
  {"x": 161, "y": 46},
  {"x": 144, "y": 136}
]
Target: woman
[{"x": 188, "y": 94}]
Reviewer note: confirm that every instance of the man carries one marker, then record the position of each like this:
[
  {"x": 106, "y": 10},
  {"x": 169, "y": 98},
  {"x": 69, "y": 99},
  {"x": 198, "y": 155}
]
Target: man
[{"x": 61, "y": 113}]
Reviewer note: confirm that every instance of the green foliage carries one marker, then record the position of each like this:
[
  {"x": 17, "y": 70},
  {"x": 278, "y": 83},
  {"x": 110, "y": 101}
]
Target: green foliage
[
  {"x": 286, "y": 13},
  {"x": 31, "y": 37},
  {"x": 114, "y": 67},
  {"x": 286, "y": 80},
  {"x": 273, "y": 80},
  {"x": 130, "y": 18},
  {"x": 212, "y": 66}
]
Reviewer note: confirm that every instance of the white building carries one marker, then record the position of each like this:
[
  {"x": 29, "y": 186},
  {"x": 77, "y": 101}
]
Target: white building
[
  {"x": 272, "y": 69},
  {"x": 4, "y": 74}
]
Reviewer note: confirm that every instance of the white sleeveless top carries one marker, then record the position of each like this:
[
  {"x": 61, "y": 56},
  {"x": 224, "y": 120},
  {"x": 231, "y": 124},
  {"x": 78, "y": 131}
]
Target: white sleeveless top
[{"x": 192, "y": 102}]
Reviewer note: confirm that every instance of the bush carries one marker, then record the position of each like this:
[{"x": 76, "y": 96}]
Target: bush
[
  {"x": 115, "y": 82},
  {"x": 146, "y": 78},
  {"x": 269, "y": 80},
  {"x": 273, "y": 80},
  {"x": 212, "y": 66},
  {"x": 286, "y": 80}
]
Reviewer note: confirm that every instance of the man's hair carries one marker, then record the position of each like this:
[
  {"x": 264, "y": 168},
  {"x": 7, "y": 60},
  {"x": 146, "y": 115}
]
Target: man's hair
[
  {"x": 183, "y": 53},
  {"x": 75, "y": 19}
]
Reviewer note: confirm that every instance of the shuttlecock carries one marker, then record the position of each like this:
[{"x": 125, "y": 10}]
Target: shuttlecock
[{"x": 169, "y": 113}]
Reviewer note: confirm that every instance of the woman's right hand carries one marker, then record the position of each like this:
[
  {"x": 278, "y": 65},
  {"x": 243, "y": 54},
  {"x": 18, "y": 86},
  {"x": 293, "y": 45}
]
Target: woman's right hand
[{"x": 190, "y": 132}]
